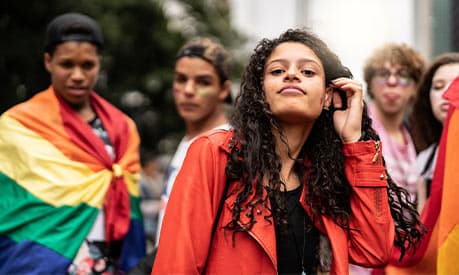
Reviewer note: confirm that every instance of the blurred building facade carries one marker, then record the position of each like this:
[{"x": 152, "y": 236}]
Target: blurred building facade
[{"x": 354, "y": 28}]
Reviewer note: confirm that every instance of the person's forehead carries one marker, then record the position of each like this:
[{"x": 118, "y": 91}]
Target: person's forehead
[
  {"x": 393, "y": 66},
  {"x": 75, "y": 47},
  {"x": 196, "y": 67},
  {"x": 293, "y": 48},
  {"x": 296, "y": 52}
]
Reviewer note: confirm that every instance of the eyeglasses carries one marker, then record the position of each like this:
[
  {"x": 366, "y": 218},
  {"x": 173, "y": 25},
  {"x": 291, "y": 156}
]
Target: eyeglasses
[{"x": 402, "y": 78}]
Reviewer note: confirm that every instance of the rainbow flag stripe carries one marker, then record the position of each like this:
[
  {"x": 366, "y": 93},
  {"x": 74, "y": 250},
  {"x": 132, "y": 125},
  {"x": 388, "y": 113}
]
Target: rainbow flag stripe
[
  {"x": 439, "y": 249},
  {"x": 448, "y": 219},
  {"x": 52, "y": 186}
]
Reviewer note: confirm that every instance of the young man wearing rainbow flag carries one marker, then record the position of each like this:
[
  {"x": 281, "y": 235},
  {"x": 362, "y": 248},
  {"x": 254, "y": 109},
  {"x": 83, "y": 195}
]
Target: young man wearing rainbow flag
[{"x": 69, "y": 166}]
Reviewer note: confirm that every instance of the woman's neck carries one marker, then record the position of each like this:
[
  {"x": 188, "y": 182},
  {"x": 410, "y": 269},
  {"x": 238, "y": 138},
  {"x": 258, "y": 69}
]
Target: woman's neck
[{"x": 288, "y": 150}]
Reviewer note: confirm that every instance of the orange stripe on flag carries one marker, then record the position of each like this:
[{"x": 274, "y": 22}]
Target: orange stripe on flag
[
  {"x": 448, "y": 223},
  {"x": 53, "y": 131}
]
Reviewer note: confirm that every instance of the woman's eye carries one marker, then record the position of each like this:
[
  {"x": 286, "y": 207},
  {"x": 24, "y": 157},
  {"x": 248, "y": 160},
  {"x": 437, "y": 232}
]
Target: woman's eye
[
  {"x": 440, "y": 85},
  {"x": 277, "y": 72},
  {"x": 308, "y": 72}
]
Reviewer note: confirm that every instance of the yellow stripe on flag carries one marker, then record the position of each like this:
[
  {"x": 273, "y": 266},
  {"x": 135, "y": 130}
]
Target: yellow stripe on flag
[
  {"x": 40, "y": 167},
  {"x": 448, "y": 254}
]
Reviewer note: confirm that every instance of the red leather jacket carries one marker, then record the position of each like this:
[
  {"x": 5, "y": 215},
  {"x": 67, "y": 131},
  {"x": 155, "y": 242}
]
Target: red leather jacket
[{"x": 187, "y": 227}]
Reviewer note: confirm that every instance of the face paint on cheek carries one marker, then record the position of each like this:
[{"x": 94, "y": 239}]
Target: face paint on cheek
[{"x": 204, "y": 92}]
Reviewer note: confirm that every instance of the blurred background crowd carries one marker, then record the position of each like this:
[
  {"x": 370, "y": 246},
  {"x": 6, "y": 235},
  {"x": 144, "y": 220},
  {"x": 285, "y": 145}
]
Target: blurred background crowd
[{"x": 143, "y": 36}]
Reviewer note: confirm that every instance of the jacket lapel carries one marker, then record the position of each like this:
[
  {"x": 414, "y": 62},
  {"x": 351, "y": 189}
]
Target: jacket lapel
[{"x": 262, "y": 231}]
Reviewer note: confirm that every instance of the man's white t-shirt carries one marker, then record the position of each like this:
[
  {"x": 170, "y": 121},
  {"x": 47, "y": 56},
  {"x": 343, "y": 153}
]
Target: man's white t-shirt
[{"x": 172, "y": 171}]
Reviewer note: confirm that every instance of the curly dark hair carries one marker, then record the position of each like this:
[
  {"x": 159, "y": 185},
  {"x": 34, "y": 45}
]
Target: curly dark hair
[
  {"x": 253, "y": 158},
  {"x": 425, "y": 128}
]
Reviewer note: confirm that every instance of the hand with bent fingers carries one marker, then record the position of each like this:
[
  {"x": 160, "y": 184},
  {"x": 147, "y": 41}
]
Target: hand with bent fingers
[{"x": 348, "y": 122}]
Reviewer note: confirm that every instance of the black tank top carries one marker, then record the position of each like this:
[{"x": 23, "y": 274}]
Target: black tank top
[{"x": 297, "y": 249}]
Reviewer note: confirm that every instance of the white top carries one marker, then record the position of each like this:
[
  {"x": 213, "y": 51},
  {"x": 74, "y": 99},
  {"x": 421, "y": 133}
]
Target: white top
[
  {"x": 422, "y": 159},
  {"x": 172, "y": 171}
]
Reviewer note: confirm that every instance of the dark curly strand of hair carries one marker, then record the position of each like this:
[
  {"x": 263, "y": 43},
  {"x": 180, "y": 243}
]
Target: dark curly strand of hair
[{"x": 253, "y": 159}]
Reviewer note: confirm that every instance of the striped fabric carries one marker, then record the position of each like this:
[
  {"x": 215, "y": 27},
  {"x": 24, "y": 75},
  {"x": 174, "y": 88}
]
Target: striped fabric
[
  {"x": 439, "y": 250},
  {"x": 55, "y": 175},
  {"x": 448, "y": 220}
]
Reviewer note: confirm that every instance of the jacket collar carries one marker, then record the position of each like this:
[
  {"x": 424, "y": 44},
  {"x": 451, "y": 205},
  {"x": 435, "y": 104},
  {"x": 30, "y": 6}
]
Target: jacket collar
[{"x": 263, "y": 230}]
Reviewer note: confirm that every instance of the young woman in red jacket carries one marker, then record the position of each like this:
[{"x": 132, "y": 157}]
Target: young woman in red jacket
[{"x": 297, "y": 186}]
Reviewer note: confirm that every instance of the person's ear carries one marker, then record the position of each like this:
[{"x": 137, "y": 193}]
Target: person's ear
[
  {"x": 47, "y": 61},
  {"x": 328, "y": 97},
  {"x": 225, "y": 91}
]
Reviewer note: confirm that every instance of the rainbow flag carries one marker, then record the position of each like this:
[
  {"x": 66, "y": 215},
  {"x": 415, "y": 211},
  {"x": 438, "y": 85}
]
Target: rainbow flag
[
  {"x": 55, "y": 176},
  {"x": 439, "y": 249},
  {"x": 448, "y": 220}
]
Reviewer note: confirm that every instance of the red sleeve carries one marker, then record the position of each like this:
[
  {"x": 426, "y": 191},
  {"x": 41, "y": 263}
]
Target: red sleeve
[
  {"x": 372, "y": 228},
  {"x": 188, "y": 220}
]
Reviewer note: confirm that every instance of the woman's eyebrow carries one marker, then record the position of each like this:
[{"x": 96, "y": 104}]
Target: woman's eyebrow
[{"x": 301, "y": 61}]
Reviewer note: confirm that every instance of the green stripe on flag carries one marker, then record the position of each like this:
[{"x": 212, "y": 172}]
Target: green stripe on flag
[
  {"x": 25, "y": 217},
  {"x": 136, "y": 213}
]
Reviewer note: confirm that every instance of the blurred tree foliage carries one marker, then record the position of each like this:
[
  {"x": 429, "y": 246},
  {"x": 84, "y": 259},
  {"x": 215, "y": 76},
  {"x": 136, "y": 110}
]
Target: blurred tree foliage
[{"x": 141, "y": 40}]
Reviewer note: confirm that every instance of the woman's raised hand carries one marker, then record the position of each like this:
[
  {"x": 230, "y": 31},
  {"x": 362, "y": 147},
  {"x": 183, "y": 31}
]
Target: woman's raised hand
[{"x": 348, "y": 122}]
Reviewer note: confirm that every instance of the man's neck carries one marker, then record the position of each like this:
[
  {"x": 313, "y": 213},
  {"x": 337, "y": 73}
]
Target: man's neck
[{"x": 195, "y": 129}]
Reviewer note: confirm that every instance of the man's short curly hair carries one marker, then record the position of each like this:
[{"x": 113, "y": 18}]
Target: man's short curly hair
[{"x": 396, "y": 54}]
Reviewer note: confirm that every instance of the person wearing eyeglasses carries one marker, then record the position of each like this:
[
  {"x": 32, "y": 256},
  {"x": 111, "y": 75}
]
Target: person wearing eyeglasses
[{"x": 392, "y": 73}]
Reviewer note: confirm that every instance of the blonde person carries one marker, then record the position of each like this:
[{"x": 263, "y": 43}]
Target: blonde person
[
  {"x": 297, "y": 185},
  {"x": 392, "y": 73}
]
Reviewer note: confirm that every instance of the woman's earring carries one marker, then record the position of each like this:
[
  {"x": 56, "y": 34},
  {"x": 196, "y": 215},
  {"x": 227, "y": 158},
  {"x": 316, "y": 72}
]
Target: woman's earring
[{"x": 326, "y": 108}]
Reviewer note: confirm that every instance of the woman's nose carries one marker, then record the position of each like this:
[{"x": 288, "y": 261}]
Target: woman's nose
[{"x": 292, "y": 74}]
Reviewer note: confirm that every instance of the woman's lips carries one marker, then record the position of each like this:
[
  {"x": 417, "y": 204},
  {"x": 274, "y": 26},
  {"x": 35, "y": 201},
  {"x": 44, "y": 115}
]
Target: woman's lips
[
  {"x": 444, "y": 107},
  {"x": 292, "y": 90}
]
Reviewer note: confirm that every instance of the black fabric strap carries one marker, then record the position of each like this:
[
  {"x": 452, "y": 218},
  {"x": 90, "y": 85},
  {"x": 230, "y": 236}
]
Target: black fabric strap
[{"x": 429, "y": 160}]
